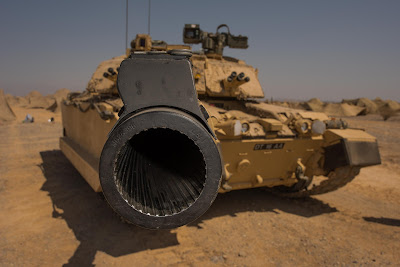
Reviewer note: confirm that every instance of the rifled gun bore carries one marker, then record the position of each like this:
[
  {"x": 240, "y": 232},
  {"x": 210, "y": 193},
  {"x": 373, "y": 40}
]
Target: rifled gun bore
[{"x": 160, "y": 167}]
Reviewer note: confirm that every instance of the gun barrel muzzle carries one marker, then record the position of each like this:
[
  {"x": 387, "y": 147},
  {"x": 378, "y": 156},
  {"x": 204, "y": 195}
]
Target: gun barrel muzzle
[{"x": 160, "y": 166}]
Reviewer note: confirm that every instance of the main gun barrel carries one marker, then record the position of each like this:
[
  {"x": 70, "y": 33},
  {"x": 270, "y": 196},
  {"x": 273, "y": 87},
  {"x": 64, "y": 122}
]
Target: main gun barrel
[{"x": 160, "y": 167}]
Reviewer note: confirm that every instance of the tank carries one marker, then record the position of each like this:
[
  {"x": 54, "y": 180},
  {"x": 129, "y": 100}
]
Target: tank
[{"x": 163, "y": 132}]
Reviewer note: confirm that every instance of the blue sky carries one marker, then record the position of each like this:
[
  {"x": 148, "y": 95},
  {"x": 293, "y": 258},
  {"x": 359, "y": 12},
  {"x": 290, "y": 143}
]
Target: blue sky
[{"x": 303, "y": 49}]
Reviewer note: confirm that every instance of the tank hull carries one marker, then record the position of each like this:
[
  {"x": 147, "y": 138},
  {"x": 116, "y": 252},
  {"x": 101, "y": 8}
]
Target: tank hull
[{"x": 248, "y": 163}]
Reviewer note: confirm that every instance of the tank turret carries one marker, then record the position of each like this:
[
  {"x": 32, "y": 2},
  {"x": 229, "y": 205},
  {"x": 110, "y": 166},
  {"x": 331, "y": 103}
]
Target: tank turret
[{"x": 217, "y": 75}]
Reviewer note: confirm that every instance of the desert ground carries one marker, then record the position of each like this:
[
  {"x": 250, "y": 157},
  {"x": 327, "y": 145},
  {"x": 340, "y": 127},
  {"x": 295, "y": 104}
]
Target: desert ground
[{"x": 49, "y": 216}]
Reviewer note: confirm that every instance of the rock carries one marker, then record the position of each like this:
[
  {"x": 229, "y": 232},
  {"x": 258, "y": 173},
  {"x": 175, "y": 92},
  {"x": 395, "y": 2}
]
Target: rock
[
  {"x": 6, "y": 113},
  {"x": 50, "y": 102},
  {"x": 316, "y": 101},
  {"x": 217, "y": 259},
  {"x": 314, "y": 104},
  {"x": 370, "y": 106},
  {"x": 389, "y": 109},
  {"x": 58, "y": 96},
  {"x": 16, "y": 100},
  {"x": 379, "y": 102},
  {"x": 61, "y": 93},
  {"x": 342, "y": 110},
  {"x": 241, "y": 254},
  {"x": 33, "y": 93},
  {"x": 40, "y": 102}
]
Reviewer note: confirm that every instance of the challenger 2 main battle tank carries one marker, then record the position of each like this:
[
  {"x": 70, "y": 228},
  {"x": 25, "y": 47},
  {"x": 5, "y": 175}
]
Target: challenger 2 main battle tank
[{"x": 163, "y": 132}]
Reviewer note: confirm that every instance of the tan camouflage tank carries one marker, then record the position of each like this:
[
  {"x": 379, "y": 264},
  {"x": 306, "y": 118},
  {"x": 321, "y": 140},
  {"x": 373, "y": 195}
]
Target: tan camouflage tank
[{"x": 291, "y": 152}]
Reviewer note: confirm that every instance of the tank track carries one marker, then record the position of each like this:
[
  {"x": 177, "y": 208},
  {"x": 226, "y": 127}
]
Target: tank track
[{"x": 335, "y": 180}]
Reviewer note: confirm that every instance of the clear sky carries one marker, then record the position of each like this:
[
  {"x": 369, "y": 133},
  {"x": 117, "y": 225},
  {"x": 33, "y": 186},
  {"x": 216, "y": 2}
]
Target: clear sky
[{"x": 326, "y": 49}]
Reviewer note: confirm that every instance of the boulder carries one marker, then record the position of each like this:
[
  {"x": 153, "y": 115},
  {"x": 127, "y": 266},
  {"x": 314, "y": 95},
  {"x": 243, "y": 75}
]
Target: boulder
[
  {"x": 342, "y": 110},
  {"x": 316, "y": 101},
  {"x": 58, "y": 96},
  {"x": 379, "y": 102},
  {"x": 33, "y": 93},
  {"x": 6, "y": 113},
  {"x": 389, "y": 109},
  {"x": 370, "y": 106},
  {"x": 314, "y": 104},
  {"x": 18, "y": 101},
  {"x": 350, "y": 101},
  {"x": 40, "y": 102},
  {"x": 61, "y": 93}
]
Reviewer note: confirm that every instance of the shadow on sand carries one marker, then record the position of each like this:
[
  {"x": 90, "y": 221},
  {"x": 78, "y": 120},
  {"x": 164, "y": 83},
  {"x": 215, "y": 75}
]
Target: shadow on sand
[
  {"x": 383, "y": 220},
  {"x": 97, "y": 228},
  {"x": 260, "y": 200},
  {"x": 88, "y": 215}
]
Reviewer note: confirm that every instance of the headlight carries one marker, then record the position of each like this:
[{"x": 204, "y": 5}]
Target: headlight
[
  {"x": 302, "y": 126},
  {"x": 245, "y": 127},
  {"x": 240, "y": 128},
  {"x": 318, "y": 127}
]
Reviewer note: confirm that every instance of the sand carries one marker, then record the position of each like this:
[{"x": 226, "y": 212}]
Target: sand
[{"x": 50, "y": 216}]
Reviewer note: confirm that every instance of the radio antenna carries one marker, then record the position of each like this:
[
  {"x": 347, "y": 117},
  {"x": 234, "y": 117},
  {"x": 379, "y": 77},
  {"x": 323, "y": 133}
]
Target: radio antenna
[
  {"x": 126, "y": 27},
  {"x": 148, "y": 23}
]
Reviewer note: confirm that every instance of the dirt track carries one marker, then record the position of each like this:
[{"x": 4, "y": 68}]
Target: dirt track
[{"x": 50, "y": 216}]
